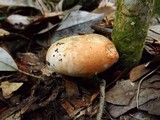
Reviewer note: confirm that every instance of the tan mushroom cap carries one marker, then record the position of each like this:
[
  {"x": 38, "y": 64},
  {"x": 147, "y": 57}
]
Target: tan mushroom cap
[{"x": 82, "y": 55}]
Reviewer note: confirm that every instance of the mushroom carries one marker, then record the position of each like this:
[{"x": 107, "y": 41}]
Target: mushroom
[{"x": 82, "y": 55}]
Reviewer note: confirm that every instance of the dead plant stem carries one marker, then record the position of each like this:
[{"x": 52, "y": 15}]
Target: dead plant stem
[{"x": 102, "y": 99}]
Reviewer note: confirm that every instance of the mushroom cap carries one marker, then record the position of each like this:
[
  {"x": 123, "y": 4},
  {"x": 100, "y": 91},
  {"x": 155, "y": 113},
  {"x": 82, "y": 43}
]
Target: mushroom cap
[{"x": 82, "y": 55}]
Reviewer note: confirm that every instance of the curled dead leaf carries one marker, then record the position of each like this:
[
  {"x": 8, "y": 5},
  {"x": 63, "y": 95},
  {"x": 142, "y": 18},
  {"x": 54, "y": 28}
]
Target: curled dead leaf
[{"x": 8, "y": 88}]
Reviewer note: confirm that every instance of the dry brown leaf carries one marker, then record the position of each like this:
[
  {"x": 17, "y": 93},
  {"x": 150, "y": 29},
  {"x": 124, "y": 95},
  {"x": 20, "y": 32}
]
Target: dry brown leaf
[
  {"x": 8, "y": 88},
  {"x": 68, "y": 107},
  {"x": 28, "y": 58},
  {"x": 138, "y": 72},
  {"x": 29, "y": 62},
  {"x": 153, "y": 107},
  {"x": 79, "y": 103},
  {"x": 121, "y": 93},
  {"x": 106, "y": 10},
  {"x": 145, "y": 96},
  {"x": 46, "y": 71}
]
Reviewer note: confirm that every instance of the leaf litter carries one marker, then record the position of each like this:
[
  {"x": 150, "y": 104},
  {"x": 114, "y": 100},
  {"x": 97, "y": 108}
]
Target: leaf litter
[{"x": 49, "y": 95}]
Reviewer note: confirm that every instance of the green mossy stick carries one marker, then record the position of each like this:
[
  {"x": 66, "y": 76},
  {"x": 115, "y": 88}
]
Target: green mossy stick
[{"x": 130, "y": 29}]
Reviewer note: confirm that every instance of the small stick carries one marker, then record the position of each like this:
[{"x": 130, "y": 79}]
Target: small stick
[
  {"x": 102, "y": 100},
  {"x": 101, "y": 30},
  {"x": 140, "y": 83}
]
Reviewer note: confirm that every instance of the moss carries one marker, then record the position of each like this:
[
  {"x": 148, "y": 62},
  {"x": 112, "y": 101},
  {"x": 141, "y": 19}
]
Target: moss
[{"x": 130, "y": 30}]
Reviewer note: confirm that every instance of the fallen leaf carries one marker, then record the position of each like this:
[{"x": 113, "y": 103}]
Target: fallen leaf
[
  {"x": 148, "y": 47},
  {"x": 154, "y": 79},
  {"x": 22, "y": 3},
  {"x": 153, "y": 40},
  {"x": 123, "y": 95},
  {"x": 138, "y": 115},
  {"x": 29, "y": 62},
  {"x": 3, "y": 32},
  {"x": 19, "y": 21},
  {"x": 67, "y": 106},
  {"x": 8, "y": 88},
  {"x": 106, "y": 10},
  {"x": 145, "y": 96},
  {"x": 153, "y": 106},
  {"x": 138, "y": 72},
  {"x": 28, "y": 58},
  {"x": 75, "y": 23},
  {"x": 46, "y": 70},
  {"x": 155, "y": 28},
  {"x": 6, "y": 61},
  {"x": 79, "y": 103},
  {"x": 154, "y": 32}
]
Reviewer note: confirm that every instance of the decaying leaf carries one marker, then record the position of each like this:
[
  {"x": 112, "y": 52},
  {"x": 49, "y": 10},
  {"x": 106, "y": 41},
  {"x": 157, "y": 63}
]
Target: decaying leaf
[
  {"x": 138, "y": 115},
  {"x": 68, "y": 107},
  {"x": 138, "y": 72},
  {"x": 6, "y": 61},
  {"x": 77, "y": 22},
  {"x": 106, "y": 10},
  {"x": 153, "y": 35},
  {"x": 19, "y": 20},
  {"x": 23, "y": 3},
  {"x": 78, "y": 103},
  {"x": 123, "y": 95},
  {"x": 8, "y": 88},
  {"x": 28, "y": 58},
  {"x": 155, "y": 28},
  {"x": 153, "y": 106},
  {"x": 153, "y": 40},
  {"x": 29, "y": 62},
  {"x": 145, "y": 96},
  {"x": 46, "y": 71}
]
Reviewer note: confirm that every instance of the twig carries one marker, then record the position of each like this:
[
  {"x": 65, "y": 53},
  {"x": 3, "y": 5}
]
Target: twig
[
  {"x": 102, "y": 99},
  {"x": 101, "y": 30},
  {"x": 140, "y": 83},
  {"x": 2, "y": 77}
]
